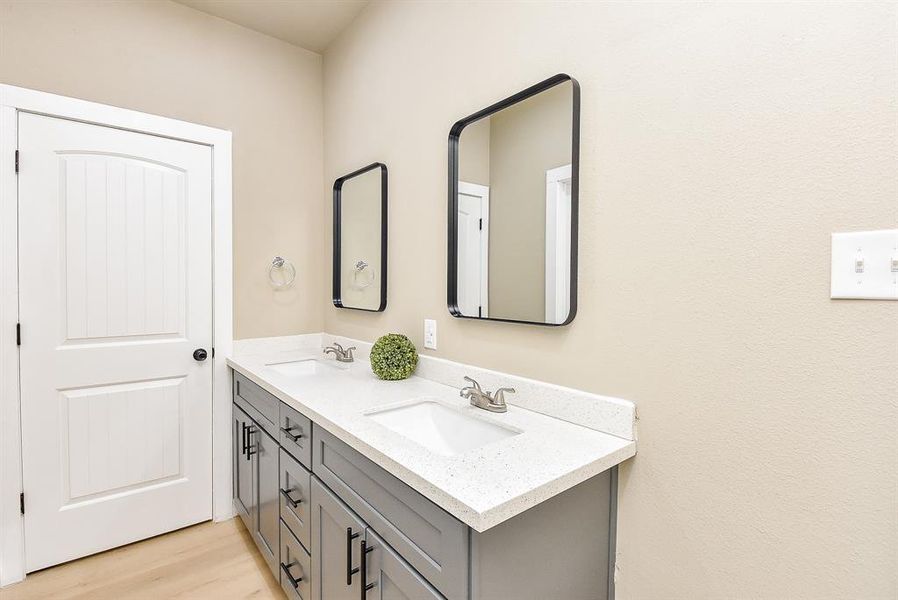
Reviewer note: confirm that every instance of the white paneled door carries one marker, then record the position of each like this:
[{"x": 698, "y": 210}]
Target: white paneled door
[{"x": 115, "y": 270}]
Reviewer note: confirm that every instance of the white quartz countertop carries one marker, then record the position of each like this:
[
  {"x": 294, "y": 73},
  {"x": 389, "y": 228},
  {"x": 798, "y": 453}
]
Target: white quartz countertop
[{"x": 481, "y": 487}]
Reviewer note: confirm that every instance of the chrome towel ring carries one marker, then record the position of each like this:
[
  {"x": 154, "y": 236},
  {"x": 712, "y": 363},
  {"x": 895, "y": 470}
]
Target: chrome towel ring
[{"x": 281, "y": 273}]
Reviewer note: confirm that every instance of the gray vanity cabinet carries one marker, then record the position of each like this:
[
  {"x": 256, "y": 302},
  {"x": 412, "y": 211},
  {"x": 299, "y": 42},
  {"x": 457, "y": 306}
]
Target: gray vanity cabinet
[
  {"x": 256, "y": 470},
  {"x": 312, "y": 503},
  {"x": 336, "y": 536},
  {"x": 243, "y": 469}
]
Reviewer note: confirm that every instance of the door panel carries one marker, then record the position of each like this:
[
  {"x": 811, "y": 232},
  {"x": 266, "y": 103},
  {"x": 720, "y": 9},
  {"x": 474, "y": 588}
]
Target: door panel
[
  {"x": 267, "y": 496},
  {"x": 330, "y": 521},
  {"x": 392, "y": 577},
  {"x": 115, "y": 255},
  {"x": 140, "y": 443}
]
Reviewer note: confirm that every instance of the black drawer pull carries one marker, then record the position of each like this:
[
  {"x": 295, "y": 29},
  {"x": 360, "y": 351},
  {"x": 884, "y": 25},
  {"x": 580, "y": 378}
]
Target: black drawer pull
[
  {"x": 364, "y": 569},
  {"x": 286, "y": 495},
  {"x": 289, "y": 433},
  {"x": 349, "y": 570},
  {"x": 294, "y": 581},
  {"x": 243, "y": 451}
]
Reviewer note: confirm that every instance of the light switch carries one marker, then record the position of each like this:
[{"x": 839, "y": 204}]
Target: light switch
[
  {"x": 864, "y": 265},
  {"x": 430, "y": 334}
]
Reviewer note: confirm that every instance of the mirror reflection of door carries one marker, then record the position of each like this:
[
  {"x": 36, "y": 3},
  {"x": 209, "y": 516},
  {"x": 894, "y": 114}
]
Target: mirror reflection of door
[
  {"x": 558, "y": 244},
  {"x": 473, "y": 248}
]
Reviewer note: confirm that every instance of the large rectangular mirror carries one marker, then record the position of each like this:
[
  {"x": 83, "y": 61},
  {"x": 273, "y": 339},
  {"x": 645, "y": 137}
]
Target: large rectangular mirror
[
  {"x": 360, "y": 239},
  {"x": 513, "y": 172}
]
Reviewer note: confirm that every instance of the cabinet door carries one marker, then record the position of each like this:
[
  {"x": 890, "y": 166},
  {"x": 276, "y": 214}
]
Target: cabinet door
[
  {"x": 389, "y": 576},
  {"x": 336, "y": 538},
  {"x": 243, "y": 469},
  {"x": 264, "y": 450}
]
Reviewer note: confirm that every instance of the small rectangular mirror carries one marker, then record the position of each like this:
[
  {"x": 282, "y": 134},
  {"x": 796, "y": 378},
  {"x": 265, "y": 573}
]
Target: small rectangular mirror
[
  {"x": 360, "y": 239},
  {"x": 513, "y": 185}
]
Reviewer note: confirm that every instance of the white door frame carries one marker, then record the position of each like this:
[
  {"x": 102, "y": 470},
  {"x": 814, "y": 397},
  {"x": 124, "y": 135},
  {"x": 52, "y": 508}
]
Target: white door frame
[
  {"x": 483, "y": 192},
  {"x": 15, "y": 99},
  {"x": 558, "y": 228}
]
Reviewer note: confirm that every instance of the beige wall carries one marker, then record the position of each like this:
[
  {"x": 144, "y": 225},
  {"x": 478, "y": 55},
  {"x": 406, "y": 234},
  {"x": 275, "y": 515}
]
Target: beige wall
[
  {"x": 526, "y": 140},
  {"x": 722, "y": 144},
  {"x": 166, "y": 59}
]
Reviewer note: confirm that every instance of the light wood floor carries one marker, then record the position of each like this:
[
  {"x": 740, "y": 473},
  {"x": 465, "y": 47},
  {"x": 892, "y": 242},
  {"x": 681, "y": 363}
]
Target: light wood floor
[{"x": 211, "y": 560}]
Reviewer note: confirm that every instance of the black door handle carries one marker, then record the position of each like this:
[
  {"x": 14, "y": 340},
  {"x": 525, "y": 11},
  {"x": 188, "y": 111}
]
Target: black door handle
[
  {"x": 349, "y": 570},
  {"x": 363, "y": 568},
  {"x": 250, "y": 430},
  {"x": 200, "y": 354}
]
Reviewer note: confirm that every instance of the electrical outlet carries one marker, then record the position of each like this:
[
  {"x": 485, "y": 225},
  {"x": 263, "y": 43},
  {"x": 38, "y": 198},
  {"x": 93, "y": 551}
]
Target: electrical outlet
[
  {"x": 865, "y": 265},
  {"x": 430, "y": 334}
]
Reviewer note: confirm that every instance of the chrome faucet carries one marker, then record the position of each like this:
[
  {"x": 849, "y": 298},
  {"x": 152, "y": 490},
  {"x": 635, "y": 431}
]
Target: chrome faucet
[
  {"x": 493, "y": 402},
  {"x": 339, "y": 353}
]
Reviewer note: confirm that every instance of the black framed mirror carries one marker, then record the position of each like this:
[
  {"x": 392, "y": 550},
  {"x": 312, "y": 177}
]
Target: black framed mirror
[
  {"x": 513, "y": 206},
  {"x": 360, "y": 239}
]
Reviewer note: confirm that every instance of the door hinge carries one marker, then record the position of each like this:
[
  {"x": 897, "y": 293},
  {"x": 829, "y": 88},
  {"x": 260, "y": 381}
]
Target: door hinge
[
  {"x": 479, "y": 225},
  {"x": 479, "y": 311},
  {"x": 18, "y": 334},
  {"x": 213, "y": 351},
  {"x": 17, "y": 161},
  {"x": 22, "y": 502}
]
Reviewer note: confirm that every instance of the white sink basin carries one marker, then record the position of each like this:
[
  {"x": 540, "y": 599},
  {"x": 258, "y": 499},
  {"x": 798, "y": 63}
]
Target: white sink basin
[
  {"x": 440, "y": 428},
  {"x": 307, "y": 366}
]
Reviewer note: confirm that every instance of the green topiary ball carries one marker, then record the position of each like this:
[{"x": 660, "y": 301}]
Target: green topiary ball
[{"x": 393, "y": 357}]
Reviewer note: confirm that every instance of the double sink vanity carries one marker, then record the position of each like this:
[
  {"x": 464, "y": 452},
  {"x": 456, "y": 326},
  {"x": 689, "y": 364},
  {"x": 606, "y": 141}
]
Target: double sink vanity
[
  {"x": 359, "y": 488},
  {"x": 434, "y": 486}
]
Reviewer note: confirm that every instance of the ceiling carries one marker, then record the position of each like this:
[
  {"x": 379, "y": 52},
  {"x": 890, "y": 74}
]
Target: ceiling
[{"x": 309, "y": 24}]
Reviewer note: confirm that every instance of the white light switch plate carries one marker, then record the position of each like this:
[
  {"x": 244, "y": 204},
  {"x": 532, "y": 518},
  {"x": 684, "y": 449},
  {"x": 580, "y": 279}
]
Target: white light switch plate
[
  {"x": 865, "y": 265},
  {"x": 430, "y": 334}
]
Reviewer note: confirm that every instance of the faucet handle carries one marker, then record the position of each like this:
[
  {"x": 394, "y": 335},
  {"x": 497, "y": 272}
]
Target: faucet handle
[
  {"x": 339, "y": 347},
  {"x": 473, "y": 382},
  {"x": 499, "y": 396}
]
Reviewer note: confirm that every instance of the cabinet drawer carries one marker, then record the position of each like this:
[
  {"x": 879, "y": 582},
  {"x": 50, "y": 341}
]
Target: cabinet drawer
[
  {"x": 295, "y": 434},
  {"x": 264, "y": 403},
  {"x": 429, "y": 538},
  {"x": 295, "y": 487},
  {"x": 296, "y": 562}
]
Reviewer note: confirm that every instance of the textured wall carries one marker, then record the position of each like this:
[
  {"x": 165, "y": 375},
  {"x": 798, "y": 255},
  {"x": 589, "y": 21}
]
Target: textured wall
[
  {"x": 722, "y": 144},
  {"x": 167, "y": 59}
]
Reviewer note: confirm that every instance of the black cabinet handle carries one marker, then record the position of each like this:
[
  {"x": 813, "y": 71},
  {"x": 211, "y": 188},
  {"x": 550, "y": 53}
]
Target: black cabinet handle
[
  {"x": 364, "y": 569},
  {"x": 294, "y": 581},
  {"x": 200, "y": 354},
  {"x": 349, "y": 570},
  {"x": 286, "y": 495},
  {"x": 250, "y": 430},
  {"x": 243, "y": 450},
  {"x": 289, "y": 433}
]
